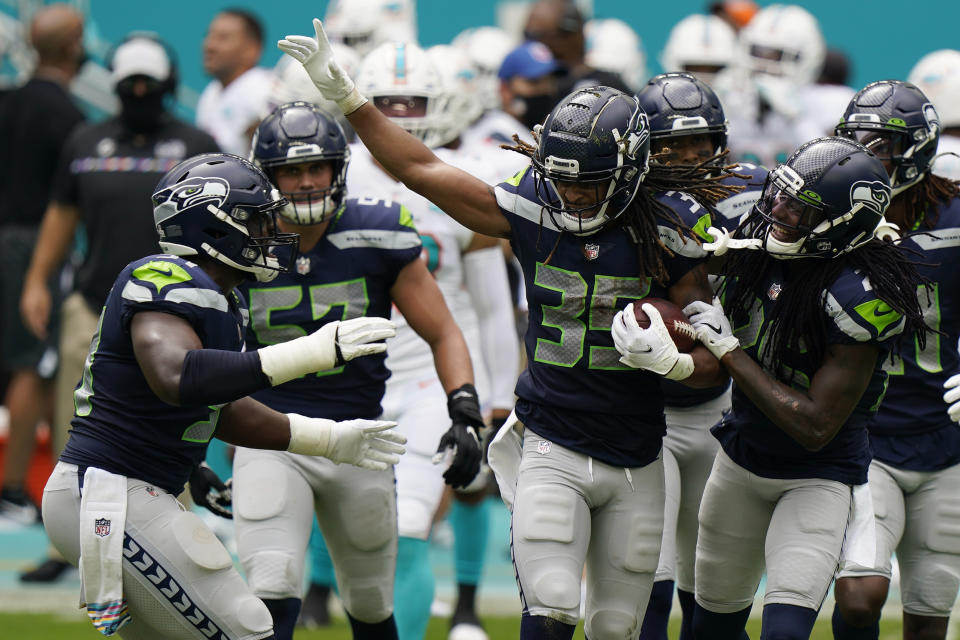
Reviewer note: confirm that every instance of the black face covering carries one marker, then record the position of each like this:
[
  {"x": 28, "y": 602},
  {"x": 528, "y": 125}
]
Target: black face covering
[
  {"x": 142, "y": 114},
  {"x": 534, "y": 109}
]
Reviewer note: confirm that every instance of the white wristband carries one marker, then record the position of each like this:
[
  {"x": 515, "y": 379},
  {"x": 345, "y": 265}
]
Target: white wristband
[
  {"x": 309, "y": 436},
  {"x": 352, "y": 102},
  {"x": 307, "y": 354},
  {"x": 682, "y": 369}
]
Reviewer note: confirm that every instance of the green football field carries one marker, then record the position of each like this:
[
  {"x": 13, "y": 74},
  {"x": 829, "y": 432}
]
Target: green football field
[{"x": 73, "y": 626}]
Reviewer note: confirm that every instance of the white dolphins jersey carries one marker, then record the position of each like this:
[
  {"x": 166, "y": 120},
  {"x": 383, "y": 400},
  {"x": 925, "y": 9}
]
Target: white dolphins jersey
[{"x": 409, "y": 357}]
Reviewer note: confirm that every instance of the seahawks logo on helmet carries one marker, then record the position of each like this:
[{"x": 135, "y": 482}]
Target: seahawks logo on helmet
[
  {"x": 874, "y": 195},
  {"x": 198, "y": 190}
]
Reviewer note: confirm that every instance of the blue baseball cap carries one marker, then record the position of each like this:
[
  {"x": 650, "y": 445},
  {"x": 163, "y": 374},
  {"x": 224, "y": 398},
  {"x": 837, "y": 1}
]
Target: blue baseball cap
[{"x": 531, "y": 60}]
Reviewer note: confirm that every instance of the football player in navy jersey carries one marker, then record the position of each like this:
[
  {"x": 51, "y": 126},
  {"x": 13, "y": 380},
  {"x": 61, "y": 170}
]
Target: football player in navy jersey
[
  {"x": 914, "y": 479},
  {"x": 592, "y": 231},
  {"x": 688, "y": 127},
  {"x": 357, "y": 256},
  {"x": 815, "y": 311},
  {"x": 167, "y": 372}
]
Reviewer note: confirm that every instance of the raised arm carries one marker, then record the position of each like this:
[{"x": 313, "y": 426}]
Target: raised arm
[{"x": 467, "y": 199}]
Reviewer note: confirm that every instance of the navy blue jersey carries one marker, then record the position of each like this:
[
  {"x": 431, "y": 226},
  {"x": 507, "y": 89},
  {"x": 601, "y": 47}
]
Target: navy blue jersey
[
  {"x": 729, "y": 210},
  {"x": 912, "y": 430},
  {"x": 348, "y": 274},
  {"x": 854, "y": 315},
  {"x": 120, "y": 425},
  {"x": 574, "y": 391},
  {"x": 727, "y": 215}
]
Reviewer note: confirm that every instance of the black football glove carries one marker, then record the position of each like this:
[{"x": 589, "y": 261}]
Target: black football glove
[
  {"x": 207, "y": 490},
  {"x": 463, "y": 437}
]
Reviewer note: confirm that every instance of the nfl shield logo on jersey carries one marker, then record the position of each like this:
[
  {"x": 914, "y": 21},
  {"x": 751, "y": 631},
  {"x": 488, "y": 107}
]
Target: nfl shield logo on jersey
[
  {"x": 774, "y": 291},
  {"x": 591, "y": 251},
  {"x": 101, "y": 527},
  {"x": 303, "y": 265}
]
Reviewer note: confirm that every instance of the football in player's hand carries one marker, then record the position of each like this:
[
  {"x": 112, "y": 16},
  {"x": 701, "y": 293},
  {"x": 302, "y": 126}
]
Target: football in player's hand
[{"x": 678, "y": 325}]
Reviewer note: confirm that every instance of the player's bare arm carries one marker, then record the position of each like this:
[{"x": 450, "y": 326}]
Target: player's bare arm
[
  {"x": 811, "y": 417},
  {"x": 707, "y": 370},
  {"x": 161, "y": 342},
  {"x": 56, "y": 233},
  {"x": 418, "y": 298},
  {"x": 467, "y": 199}
]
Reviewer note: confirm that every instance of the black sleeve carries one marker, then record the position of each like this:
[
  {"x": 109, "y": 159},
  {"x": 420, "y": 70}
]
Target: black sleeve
[{"x": 64, "y": 188}]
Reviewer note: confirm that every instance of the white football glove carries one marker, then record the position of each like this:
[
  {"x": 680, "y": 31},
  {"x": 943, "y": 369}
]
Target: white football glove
[
  {"x": 326, "y": 348},
  {"x": 723, "y": 242},
  {"x": 952, "y": 397},
  {"x": 369, "y": 444},
  {"x": 713, "y": 328},
  {"x": 651, "y": 348},
  {"x": 328, "y": 76}
]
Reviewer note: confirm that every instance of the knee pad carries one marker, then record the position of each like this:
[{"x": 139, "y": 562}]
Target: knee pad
[
  {"x": 610, "y": 623},
  {"x": 370, "y": 521},
  {"x": 272, "y": 575},
  {"x": 367, "y": 601},
  {"x": 252, "y": 614},
  {"x": 261, "y": 491},
  {"x": 557, "y": 591}
]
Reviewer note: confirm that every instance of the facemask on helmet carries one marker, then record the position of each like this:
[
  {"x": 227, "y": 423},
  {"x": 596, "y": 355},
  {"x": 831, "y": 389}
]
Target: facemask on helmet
[
  {"x": 300, "y": 133},
  {"x": 598, "y": 140},
  {"x": 785, "y": 41},
  {"x": 222, "y": 206},
  {"x": 402, "y": 82},
  {"x": 897, "y": 120},
  {"x": 826, "y": 200}
]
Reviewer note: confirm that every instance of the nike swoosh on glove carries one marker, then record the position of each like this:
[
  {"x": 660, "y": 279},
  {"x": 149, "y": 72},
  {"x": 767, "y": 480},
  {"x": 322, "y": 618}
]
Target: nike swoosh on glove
[
  {"x": 316, "y": 56},
  {"x": 651, "y": 348},
  {"x": 713, "y": 327}
]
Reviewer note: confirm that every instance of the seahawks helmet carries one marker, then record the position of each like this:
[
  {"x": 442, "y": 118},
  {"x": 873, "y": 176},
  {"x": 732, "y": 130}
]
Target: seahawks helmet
[
  {"x": 596, "y": 135},
  {"x": 302, "y": 132},
  {"x": 834, "y": 190},
  {"x": 895, "y": 118},
  {"x": 221, "y": 206},
  {"x": 678, "y": 104}
]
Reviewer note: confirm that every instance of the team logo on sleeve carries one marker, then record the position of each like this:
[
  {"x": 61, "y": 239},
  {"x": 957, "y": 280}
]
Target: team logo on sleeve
[
  {"x": 872, "y": 195},
  {"x": 101, "y": 527},
  {"x": 199, "y": 190}
]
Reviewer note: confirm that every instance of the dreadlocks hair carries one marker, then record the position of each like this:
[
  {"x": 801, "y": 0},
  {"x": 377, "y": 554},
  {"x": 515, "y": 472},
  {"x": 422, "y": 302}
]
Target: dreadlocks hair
[
  {"x": 800, "y": 317},
  {"x": 702, "y": 181},
  {"x": 923, "y": 197}
]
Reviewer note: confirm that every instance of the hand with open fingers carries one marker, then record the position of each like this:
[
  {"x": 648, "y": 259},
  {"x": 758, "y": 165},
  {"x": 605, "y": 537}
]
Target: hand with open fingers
[
  {"x": 651, "y": 348},
  {"x": 723, "y": 241},
  {"x": 370, "y": 444},
  {"x": 208, "y": 490},
  {"x": 952, "y": 397},
  {"x": 363, "y": 336},
  {"x": 713, "y": 327},
  {"x": 317, "y": 59}
]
